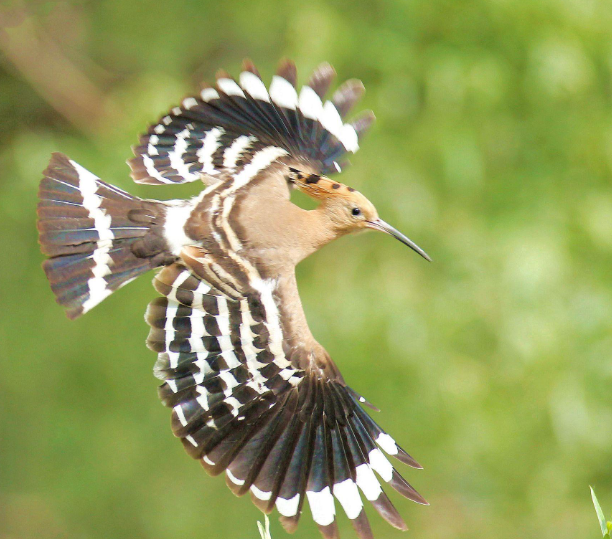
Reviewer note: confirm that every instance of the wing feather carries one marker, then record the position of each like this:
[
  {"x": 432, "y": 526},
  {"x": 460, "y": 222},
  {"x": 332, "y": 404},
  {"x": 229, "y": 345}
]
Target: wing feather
[
  {"x": 204, "y": 137},
  {"x": 242, "y": 405}
]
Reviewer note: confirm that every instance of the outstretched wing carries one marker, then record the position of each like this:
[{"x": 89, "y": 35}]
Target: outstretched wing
[
  {"x": 223, "y": 127},
  {"x": 243, "y": 404}
]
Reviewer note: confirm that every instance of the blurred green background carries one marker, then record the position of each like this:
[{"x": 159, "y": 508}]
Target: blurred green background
[{"x": 493, "y": 365}]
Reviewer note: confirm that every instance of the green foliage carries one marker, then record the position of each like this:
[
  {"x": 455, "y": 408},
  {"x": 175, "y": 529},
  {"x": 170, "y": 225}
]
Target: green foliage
[
  {"x": 264, "y": 529},
  {"x": 492, "y": 150},
  {"x": 604, "y": 524}
]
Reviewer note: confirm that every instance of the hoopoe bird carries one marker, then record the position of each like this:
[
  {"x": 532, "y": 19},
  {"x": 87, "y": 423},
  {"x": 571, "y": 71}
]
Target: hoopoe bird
[{"x": 253, "y": 394}]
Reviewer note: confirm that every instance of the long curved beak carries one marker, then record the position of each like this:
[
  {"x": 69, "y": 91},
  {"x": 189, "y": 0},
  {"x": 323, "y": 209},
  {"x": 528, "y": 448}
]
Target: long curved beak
[{"x": 379, "y": 224}]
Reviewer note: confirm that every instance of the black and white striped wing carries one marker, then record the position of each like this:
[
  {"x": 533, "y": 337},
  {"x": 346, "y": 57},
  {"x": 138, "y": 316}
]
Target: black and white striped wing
[
  {"x": 240, "y": 405},
  {"x": 211, "y": 133}
]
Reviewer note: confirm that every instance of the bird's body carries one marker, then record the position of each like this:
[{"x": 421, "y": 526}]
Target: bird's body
[{"x": 252, "y": 391}]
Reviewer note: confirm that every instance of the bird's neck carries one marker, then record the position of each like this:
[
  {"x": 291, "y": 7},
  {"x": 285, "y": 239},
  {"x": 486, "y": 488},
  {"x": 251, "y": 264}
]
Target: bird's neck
[
  {"x": 299, "y": 343},
  {"x": 284, "y": 235},
  {"x": 317, "y": 230}
]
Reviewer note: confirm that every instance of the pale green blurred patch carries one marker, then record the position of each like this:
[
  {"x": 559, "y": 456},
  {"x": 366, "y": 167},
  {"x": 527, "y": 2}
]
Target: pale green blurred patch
[{"x": 492, "y": 365}]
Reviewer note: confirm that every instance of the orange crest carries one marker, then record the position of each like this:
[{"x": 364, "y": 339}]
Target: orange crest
[{"x": 319, "y": 187}]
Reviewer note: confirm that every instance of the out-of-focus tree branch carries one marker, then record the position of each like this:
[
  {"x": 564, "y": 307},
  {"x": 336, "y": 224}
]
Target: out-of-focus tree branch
[{"x": 28, "y": 48}]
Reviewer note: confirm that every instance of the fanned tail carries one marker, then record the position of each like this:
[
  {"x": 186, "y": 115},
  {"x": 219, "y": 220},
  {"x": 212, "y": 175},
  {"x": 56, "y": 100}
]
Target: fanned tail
[{"x": 97, "y": 236}]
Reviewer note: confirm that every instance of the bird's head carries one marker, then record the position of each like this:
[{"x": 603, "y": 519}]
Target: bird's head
[{"x": 347, "y": 209}]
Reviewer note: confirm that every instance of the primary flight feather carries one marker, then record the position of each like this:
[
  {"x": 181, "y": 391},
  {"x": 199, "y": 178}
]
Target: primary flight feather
[{"x": 253, "y": 394}]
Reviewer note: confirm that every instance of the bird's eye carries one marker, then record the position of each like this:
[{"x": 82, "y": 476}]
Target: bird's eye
[{"x": 356, "y": 211}]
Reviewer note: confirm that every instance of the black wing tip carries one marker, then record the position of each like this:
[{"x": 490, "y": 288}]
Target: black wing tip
[
  {"x": 290, "y": 524},
  {"x": 222, "y": 74},
  {"x": 361, "y": 399},
  {"x": 407, "y": 459},
  {"x": 361, "y": 525},
  {"x": 330, "y": 531},
  {"x": 406, "y": 489},
  {"x": 248, "y": 65},
  {"x": 287, "y": 70},
  {"x": 325, "y": 69}
]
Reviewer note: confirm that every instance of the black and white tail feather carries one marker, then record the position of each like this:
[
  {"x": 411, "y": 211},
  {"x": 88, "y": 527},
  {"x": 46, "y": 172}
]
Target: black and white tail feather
[
  {"x": 98, "y": 237},
  {"x": 241, "y": 403},
  {"x": 201, "y": 138}
]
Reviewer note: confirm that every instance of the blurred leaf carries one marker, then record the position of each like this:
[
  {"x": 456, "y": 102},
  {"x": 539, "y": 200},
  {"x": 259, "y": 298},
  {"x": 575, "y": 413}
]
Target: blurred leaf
[
  {"x": 602, "y": 519},
  {"x": 264, "y": 531}
]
